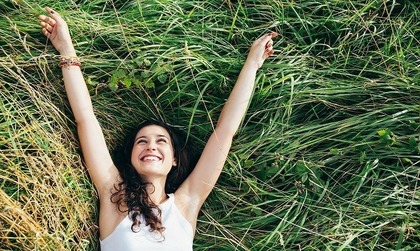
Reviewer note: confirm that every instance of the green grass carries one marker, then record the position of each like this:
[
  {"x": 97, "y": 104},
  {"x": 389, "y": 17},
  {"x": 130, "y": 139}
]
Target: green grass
[{"x": 327, "y": 157}]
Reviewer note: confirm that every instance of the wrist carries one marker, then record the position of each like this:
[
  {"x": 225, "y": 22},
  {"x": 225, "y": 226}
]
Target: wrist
[
  {"x": 68, "y": 52},
  {"x": 252, "y": 64}
]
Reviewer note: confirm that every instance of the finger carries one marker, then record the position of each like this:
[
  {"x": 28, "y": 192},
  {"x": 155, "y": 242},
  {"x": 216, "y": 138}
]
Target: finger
[
  {"x": 47, "y": 20},
  {"x": 269, "y": 49},
  {"x": 269, "y": 44},
  {"x": 43, "y": 18},
  {"x": 267, "y": 53},
  {"x": 46, "y": 33},
  {"x": 55, "y": 16},
  {"x": 46, "y": 26},
  {"x": 267, "y": 37}
]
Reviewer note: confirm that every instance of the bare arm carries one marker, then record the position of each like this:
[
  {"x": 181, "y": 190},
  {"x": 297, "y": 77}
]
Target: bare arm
[
  {"x": 209, "y": 167},
  {"x": 96, "y": 155}
]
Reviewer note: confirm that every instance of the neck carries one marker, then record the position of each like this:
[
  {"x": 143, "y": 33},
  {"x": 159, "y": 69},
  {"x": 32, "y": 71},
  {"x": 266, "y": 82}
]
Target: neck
[{"x": 156, "y": 191}]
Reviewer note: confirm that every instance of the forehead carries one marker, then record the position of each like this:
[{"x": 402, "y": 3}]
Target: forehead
[{"x": 152, "y": 130}]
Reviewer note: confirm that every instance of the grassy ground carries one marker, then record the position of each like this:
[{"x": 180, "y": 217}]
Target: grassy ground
[{"x": 327, "y": 157}]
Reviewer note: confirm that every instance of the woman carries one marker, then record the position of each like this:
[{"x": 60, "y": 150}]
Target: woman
[{"x": 148, "y": 218}]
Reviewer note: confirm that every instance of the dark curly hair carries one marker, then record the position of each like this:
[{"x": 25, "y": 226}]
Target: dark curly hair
[{"x": 131, "y": 195}]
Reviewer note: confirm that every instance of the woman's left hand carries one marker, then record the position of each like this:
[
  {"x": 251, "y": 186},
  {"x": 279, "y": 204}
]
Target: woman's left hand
[{"x": 55, "y": 28}]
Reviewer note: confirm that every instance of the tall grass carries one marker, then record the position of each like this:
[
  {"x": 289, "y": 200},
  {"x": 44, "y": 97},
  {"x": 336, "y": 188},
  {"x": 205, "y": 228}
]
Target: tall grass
[{"x": 327, "y": 157}]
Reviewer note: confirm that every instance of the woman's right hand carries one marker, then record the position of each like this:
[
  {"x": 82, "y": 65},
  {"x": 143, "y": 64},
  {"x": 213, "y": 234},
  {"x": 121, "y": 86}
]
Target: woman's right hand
[
  {"x": 261, "y": 49},
  {"x": 55, "y": 29}
]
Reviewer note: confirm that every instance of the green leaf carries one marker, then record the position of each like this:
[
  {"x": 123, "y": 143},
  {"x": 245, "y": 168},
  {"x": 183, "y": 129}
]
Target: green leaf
[
  {"x": 126, "y": 82},
  {"x": 383, "y": 133},
  {"x": 272, "y": 170},
  {"x": 413, "y": 144},
  {"x": 113, "y": 83},
  {"x": 407, "y": 160},
  {"x": 261, "y": 174},
  {"x": 145, "y": 74},
  {"x": 139, "y": 61},
  {"x": 149, "y": 84},
  {"x": 119, "y": 74},
  {"x": 147, "y": 62},
  {"x": 249, "y": 163},
  {"x": 113, "y": 86},
  {"x": 90, "y": 81},
  {"x": 335, "y": 151},
  {"x": 387, "y": 136},
  {"x": 300, "y": 167},
  {"x": 163, "y": 77},
  {"x": 137, "y": 82}
]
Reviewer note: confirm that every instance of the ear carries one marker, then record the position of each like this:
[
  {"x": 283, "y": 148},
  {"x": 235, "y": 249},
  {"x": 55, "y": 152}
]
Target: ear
[{"x": 174, "y": 162}]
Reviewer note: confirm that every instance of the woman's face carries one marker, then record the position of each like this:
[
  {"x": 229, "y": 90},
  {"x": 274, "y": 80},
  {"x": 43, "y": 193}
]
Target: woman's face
[{"x": 153, "y": 154}]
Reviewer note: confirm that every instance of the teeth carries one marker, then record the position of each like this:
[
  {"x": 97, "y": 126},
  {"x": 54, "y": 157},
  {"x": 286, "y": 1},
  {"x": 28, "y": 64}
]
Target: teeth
[{"x": 151, "y": 158}]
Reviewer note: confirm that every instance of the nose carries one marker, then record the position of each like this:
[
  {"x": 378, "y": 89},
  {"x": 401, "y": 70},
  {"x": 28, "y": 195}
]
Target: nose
[{"x": 151, "y": 146}]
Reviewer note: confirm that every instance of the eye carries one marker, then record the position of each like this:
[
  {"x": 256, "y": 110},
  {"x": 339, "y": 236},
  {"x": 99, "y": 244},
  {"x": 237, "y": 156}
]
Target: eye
[
  {"x": 141, "y": 141},
  {"x": 162, "y": 140}
]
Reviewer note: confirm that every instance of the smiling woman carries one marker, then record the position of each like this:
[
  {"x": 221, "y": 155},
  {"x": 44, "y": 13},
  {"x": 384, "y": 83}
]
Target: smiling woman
[
  {"x": 153, "y": 154},
  {"x": 150, "y": 197},
  {"x": 161, "y": 155}
]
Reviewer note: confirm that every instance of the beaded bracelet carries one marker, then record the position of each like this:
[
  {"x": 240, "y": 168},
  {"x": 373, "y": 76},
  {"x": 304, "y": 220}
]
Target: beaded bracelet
[{"x": 69, "y": 61}]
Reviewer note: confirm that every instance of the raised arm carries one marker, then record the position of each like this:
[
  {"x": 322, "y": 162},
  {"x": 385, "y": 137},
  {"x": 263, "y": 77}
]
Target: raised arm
[
  {"x": 203, "y": 178},
  {"x": 95, "y": 152}
]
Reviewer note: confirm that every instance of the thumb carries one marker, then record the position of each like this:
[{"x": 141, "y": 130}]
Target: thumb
[
  {"x": 265, "y": 39},
  {"x": 54, "y": 14}
]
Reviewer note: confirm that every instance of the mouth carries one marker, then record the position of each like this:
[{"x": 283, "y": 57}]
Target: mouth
[{"x": 151, "y": 158}]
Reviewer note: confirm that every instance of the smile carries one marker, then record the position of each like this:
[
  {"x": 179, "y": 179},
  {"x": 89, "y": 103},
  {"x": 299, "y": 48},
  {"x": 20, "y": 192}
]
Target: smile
[{"x": 151, "y": 158}]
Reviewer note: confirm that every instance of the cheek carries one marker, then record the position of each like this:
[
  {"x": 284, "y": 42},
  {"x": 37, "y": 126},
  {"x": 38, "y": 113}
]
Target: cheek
[
  {"x": 134, "y": 153},
  {"x": 132, "y": 159}
]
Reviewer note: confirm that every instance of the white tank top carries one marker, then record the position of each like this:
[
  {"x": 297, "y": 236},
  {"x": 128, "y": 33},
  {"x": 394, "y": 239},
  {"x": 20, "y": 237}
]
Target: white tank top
[{"x": 178, "y": 234}]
